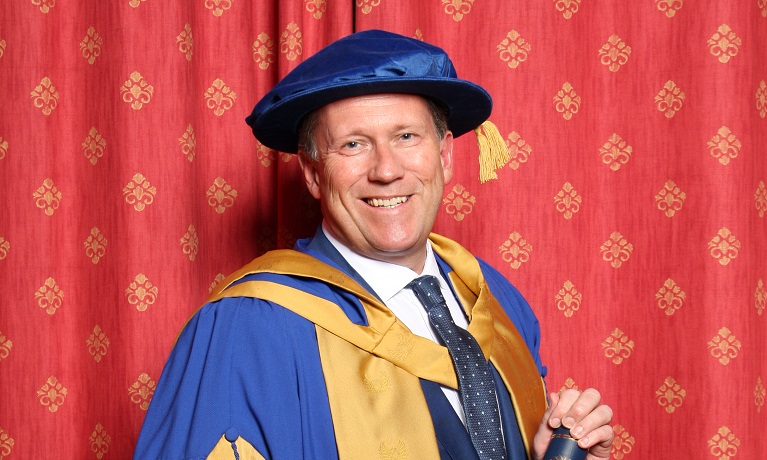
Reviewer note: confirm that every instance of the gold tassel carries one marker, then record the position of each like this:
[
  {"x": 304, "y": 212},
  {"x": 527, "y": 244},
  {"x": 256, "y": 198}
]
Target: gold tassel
[{"x": 493, "y": 153}]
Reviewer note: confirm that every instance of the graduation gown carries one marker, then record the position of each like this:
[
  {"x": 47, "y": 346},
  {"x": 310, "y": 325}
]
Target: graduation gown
[{"x": 311, "y": 375}]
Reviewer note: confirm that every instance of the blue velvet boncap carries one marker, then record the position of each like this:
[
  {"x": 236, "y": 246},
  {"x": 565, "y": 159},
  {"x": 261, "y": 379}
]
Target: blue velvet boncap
[{"x": 369, "y": 62}]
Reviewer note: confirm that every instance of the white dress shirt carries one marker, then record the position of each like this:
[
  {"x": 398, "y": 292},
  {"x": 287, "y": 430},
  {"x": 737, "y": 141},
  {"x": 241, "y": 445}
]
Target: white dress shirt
[{"x": 389, "y": 280}]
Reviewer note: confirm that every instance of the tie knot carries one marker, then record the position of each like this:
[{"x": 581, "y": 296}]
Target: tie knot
[{"x": 427, "y": 291}]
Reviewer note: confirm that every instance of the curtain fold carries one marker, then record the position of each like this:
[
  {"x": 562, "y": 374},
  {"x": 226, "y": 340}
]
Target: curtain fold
[{"x": 631, "y": 212}]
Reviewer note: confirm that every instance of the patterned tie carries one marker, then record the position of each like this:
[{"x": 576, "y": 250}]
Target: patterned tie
[{"x": 475, "y": 382}]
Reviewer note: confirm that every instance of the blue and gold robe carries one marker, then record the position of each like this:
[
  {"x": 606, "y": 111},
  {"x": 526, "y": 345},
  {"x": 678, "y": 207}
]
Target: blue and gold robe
[{"x": 295, "y": 358}]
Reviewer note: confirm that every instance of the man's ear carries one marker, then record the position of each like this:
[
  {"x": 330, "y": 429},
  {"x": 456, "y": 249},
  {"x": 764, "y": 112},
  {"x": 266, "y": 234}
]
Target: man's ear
[
  {"x": 446, "y": 156},
  {"x": 311, "y": 175}
]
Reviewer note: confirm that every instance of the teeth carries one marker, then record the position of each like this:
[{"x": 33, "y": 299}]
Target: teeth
[{"x": 387, "y": 203}]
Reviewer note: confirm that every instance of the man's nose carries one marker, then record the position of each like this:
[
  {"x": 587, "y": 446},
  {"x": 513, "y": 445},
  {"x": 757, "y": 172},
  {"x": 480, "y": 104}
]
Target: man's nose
[{"x": 387, "y": 164}]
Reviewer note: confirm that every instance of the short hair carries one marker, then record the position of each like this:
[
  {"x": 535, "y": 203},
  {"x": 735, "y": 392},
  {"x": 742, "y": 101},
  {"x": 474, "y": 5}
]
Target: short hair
[{"x": 308, "y": 147}]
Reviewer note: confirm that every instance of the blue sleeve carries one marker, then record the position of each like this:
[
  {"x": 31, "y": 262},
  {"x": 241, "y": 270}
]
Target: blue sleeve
[
  {"x": 518, "y": 310},
  {"x": 247, "y": 368}
]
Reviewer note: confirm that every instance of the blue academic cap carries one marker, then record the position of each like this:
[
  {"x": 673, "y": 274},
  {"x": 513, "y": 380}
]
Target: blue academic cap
[{"x": 368, "y": 62}]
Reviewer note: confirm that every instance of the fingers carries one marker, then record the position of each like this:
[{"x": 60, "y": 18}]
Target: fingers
[
  {"x": 587, "y": 420},
  {"x": 582, "y": 413},
  {"x": 598, "y": 442},
  {"x": 573, "y": 406},
  {"x": 543, "y": 435}
]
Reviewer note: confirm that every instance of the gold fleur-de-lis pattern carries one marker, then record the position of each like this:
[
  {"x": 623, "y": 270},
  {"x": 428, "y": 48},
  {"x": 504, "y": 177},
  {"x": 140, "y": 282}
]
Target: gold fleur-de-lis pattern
[
  {"x": 761, "y": 99},
  {"x": 567, "y": 7},
  {"x": 45, "y": 96},
  {"x": 457, "y": 9},
  {"x": 519, "y": 150},
  {"x": 141, "y": 391},
  {"x": 219, "y": 97},
  {"x": 263, "y": 51},
  {"x": 724, "y": 444},
  {"x": 615, "y": 152},
  {"x": 47, "y": 197},
  {"x": 724, "y": 246},
  {"x": 49, "y": 296},
  {"x": 724, "y": 346},
  {"x": 366, "y": 6},
  {"x": 514, "y": 49},
  {"x": 632, "y": 214},
  {"x": 670, "y": 395},
  {"x": 45, "y": 5},
  {"x": 567, "y": 102},
  {"x": 190, "y": 242},
  {"x": 139, "y": 192},
  {"x": 617, "y": 346},
  {"x": 94, "y": 146},
  {"x": 136, "y": 91},
  {"x": 616, "y": 250},
  {"x": 515, "y": 250},
  {"x": 724, "y": 44},
  {"x": 100, "y": 440},
  {"x": 90, "y": 46},
  {"x": 3, "y": 148},
  {"x": 52, "y": 394},
  {"x": 568, "y": 299},
  {"x": 614, "y": 53},
  {"x": 218, "y": 7},
  {"x": 623, "y": 442},
  {"x": 188, "y": 143},
  {"x": 759, "y": 394},
  {"x": 185, "y": 42},
  {"x": 569, "y": 384},
  {"x": 316, "y": 8},
  {"x": 670, "y": 199},
  {"x": 6, "y": 444},
  {"x": 459, "y": 203},
  {"x": 669, "y": 99},
  {"x": 760, "y": 297},
  {"x": 5, "y": 246},
  {"x": 760, "y": 199},
  {"x": 95, "y": 245},
  {"x": 670, "y": 297},
  {"x": 724, "y": 146},
  {"x": 265, "y": 155},
  {"x": 669, "y": 7},
  {"x": 141, "y": 292},
  {"x": 98, "y": 343},
  {"x": 291, "y": 45},
  {"x": 5, "y": 346},
  {"x": 568, "y": 201},
  {"x": 221, "y": 195}
]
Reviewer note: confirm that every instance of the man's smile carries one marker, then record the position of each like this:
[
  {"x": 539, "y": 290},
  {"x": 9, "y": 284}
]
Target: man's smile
[{"x": 386, "y": 202}]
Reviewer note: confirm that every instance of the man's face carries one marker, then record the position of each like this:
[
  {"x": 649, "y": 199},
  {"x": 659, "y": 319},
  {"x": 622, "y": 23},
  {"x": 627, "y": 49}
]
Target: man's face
[{"x": 380, "y": 174}]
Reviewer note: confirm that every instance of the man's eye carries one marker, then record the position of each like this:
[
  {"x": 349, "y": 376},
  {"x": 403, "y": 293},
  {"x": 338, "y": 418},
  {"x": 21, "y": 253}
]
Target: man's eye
[
  {"x": 352, "y": 144},
  {"x": 407, "y": 136}
]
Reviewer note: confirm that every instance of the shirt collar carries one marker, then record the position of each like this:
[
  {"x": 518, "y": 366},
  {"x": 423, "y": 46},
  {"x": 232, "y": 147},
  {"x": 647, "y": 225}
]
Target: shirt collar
[{"x": 386, "y": 279}]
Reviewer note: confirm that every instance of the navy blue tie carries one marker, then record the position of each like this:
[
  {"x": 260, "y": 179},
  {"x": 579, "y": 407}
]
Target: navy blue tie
[{"x": 475, "y": 380}]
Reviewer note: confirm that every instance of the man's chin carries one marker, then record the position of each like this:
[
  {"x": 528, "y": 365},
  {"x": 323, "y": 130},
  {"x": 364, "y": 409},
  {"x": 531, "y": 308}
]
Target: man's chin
[{"x": 407, "y": 253}]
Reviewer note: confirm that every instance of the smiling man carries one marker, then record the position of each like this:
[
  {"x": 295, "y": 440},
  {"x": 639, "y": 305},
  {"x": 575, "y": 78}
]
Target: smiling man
[{"x": 375, "y": 338}]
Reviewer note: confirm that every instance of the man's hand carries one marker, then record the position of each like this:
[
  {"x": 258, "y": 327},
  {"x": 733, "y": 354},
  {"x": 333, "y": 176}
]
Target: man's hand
[{"x": 589, "y": 423}]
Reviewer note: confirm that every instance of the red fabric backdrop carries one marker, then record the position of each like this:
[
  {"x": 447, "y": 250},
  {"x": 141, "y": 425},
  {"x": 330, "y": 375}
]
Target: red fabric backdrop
[{"x": 631, "y": 213}]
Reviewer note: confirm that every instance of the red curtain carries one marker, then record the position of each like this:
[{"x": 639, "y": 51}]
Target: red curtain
[{"x": 631, "y": 212}]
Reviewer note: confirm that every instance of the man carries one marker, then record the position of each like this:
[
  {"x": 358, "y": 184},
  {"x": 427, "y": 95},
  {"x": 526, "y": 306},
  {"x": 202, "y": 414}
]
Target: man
[{"x": 338, "y": 349}]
